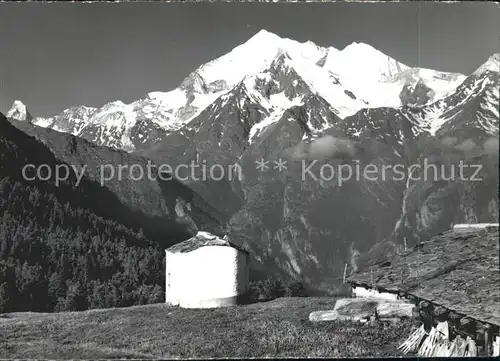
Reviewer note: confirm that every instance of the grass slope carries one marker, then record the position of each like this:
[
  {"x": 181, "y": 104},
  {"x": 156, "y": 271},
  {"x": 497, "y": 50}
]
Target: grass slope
[{"x": 279, "y": 328}]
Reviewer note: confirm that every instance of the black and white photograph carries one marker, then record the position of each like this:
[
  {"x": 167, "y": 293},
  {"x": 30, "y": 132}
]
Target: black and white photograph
[{"x": 213, "y": 180}]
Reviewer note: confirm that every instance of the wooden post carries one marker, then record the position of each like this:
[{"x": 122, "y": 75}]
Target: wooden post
[
  {"x": 416, "y": 313},
  {"x": 496, "y": 345},
  {"x": 345, "y": 271},
  {"x": 424, "y": 318},
  {"x": 480, "y": 341},
  {"x": 425, "y": 314},
  {"x": 487, "y": 340},
  {"x": 405, "y": 243}
]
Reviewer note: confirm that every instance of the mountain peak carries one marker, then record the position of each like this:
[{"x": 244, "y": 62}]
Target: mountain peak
[
  {"x": 363, "y": 50},
  {"x": 19, "y": 111},
  {"x": 263, "y": 34},
  {"x": 254, "y": 55},
  {"x": 358, "y": 46},
  {"x": 492, "y": 64},
  {"x": 363, "y": 61}
]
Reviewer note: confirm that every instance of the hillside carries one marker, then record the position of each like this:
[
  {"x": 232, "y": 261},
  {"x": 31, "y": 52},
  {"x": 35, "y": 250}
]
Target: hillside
[
  {"x": 278, "y": 328},
  {"x": 67, "y": 247},
  {"x": 166, "y": 210}
]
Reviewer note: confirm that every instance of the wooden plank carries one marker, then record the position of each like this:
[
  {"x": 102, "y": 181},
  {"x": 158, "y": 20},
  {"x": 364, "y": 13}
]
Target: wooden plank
[
  {"x": 496, "y": 346},
  {"x": 487, "y": 340}
]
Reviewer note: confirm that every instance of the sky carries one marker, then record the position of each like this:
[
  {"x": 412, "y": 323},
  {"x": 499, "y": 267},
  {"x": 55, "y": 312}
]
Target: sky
[{"x": 57, "y": 55}]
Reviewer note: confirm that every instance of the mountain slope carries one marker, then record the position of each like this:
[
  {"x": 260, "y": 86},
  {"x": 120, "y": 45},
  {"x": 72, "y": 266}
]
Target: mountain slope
[
  {"x": 315, "y": 108},
  {"x": 67, "y": 247},
  {"x": 166, "y": 210},
  {"x": 222, "y": 132},
  {"x": 309, "y": 223},
  {"x": 474, "y": 104}
]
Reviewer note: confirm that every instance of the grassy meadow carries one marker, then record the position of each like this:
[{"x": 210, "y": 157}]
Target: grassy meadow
[{"x": 278, "y": 328}]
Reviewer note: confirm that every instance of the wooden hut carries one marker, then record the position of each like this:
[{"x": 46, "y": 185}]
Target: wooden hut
[{"x": 453, "y": 278}]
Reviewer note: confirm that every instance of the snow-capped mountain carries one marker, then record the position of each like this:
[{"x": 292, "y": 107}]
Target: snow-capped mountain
[
  {"x": 277, "y": 99},
  {"x": 19, "y": 112},
  {"x": 349, "y": 80},
  {"x": 379, "y": 78},
  {"x": 71, "y": 120},
  {"x": 491, "y": 65},
  {"x": 473, "y": 104}
]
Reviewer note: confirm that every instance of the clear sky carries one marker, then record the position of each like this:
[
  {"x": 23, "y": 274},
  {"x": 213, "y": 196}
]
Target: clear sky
[{"x": 56, "y": 55}]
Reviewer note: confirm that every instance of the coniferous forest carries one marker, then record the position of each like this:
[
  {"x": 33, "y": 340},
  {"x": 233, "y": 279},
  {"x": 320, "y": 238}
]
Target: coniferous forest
[
  {"x": 58, "y": 250},
  {"x": 72, "y": 248}
]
